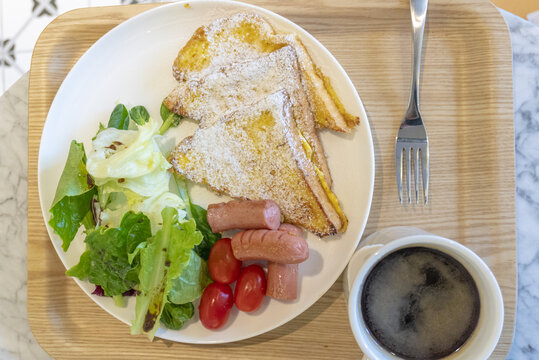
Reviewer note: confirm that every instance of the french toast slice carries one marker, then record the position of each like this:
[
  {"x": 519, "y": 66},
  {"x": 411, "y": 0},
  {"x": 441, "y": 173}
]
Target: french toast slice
[
  {"x": 239, "y": 83},
  {"x": 256, "y": 153},
  {"x": 247, "y": 35}
]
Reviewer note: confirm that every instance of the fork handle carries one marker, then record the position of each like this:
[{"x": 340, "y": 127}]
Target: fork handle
[{"x": 418, "y": 10}]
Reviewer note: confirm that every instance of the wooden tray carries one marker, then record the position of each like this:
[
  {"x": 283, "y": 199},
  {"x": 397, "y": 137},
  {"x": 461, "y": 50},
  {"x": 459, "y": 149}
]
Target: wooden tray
[{"x": 468, "y": 108}]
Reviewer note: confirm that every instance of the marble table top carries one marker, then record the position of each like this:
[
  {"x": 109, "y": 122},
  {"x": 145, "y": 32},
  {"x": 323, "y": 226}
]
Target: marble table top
[{"x": 16, "y": 339}]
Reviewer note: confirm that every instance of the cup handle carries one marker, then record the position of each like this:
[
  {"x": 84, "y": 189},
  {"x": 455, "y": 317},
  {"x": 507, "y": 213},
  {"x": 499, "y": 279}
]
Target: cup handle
[{"x": 355, "y": 264}]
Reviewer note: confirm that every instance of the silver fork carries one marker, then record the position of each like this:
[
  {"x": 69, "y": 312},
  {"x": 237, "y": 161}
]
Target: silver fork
[{"x": 412, "y": 136}]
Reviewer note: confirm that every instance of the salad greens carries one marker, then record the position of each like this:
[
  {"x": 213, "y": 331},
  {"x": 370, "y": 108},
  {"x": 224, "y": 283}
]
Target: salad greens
[
  {"x": 130, "y": 159},
  {"x": 141, "y": 238},
  {"x": 162, "y": 260},
  {"x": 119, "y": 118},
  {"x": 191, "y": 283},
  {"x": 101, "y": 128},
  {"x": 105, "y": 262},
  {"x": 72, "y": 204},
  {"x": 199, "y": 214},
  {"x": 169, "y": 118},
  {"x": 174, "y": 316},
  {"x": 209, "y": 237},
  {"x": 139, "y": 114}
]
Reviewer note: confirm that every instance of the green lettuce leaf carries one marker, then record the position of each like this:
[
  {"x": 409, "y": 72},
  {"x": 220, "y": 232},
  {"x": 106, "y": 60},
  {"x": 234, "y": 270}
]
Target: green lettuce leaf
[
  {"x": 139, "y": 114},
  {"x": 199, "y": 215},
  {"x": 209, "y": 237},
  {"x": 191, "y": 283},
  {"x": 174, "y": 315},
  {"x": 170, "y": 119},
  {"x": 73, "y": 199},
  {"x": 161, "y": 261},
  {"x": 119, "y": 118},
  {"x": 105, "y": 261},
  {"x": 135, "y": 228},
  {"x": 83, "y": 268}
]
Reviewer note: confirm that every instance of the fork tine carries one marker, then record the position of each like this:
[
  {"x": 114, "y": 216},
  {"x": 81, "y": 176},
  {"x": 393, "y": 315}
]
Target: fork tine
[
  {"x": 416, "y": 173},
  {"x": 398, "y": 165},
  {"x": 425, "y": 168},
  {"x": 407, "y": 151}
]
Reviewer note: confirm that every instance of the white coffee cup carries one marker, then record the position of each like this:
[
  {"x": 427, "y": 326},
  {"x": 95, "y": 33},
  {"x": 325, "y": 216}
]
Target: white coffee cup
[{"x": 372, "y": 249}]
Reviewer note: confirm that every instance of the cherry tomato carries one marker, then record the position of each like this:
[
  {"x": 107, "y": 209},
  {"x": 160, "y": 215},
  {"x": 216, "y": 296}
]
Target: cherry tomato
[
  {"x": 224, "y": 267},
  {"x": 215, "y": 305},
  {"x": 250, "y": 288}
]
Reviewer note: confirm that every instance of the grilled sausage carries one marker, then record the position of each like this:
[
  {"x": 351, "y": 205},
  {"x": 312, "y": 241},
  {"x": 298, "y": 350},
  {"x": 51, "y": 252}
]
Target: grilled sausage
[
  {"x": 291, "y": 229},
  {"x": 282, "y": 281},
  {"x": 244, "y": 214},
  {"x": 283, "y": 278},
  {"x": 272, "y": 245}
]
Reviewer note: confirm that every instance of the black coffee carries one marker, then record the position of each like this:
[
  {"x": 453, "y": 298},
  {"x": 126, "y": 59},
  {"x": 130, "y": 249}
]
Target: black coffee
[{"x": 420, "y": 303}]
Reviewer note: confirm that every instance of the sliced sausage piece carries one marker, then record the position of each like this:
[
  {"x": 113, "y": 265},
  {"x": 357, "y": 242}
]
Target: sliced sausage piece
[
  {"x": 283, "y": 278},
  {"x": 291, "y": 229},
  {"x": 244, "y": 214},
  {"x": 272, "y": 245},
  {"x": 282, "y": 281}
]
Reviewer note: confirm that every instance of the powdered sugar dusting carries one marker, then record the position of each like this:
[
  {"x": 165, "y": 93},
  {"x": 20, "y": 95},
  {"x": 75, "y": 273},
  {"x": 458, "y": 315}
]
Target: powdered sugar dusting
[
  {"x": 227, "y": 43},
  {"x": 255, "y": 153},
  {"x": 235, "y": 84},
  {"x": 247, "y": 35}
]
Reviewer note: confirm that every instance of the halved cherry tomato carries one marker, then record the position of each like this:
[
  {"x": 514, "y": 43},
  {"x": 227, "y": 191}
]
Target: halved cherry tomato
[
  {"x": 250, "y": 288},
  {"x": 224, "y": 267},
  {"x": 215, "y": 305}
]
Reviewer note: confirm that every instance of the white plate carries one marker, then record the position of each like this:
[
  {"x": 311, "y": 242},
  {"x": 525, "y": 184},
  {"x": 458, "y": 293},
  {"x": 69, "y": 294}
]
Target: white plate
[{"x": 132, "y": 64}]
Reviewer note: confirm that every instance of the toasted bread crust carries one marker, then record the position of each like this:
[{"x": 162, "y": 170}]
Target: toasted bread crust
[
  {"x": 245, "y": 36},
  {"x": 329, "y": 111},
  {"x": 260, "y": 156}
]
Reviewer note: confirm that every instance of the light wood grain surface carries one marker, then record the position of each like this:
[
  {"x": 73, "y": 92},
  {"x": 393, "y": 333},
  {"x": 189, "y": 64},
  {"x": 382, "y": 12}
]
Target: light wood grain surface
[
  {"x": 518, "y": 7},
  {"x": 466, "y": 103}
]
